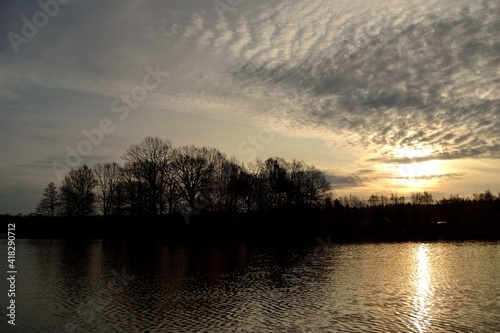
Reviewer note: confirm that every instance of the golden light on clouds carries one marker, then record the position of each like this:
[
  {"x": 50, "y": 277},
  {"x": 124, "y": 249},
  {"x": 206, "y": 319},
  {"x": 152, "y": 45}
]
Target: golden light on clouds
[
  {"x": 409, "y": 152},
  {"x": 415, "y": 175}
]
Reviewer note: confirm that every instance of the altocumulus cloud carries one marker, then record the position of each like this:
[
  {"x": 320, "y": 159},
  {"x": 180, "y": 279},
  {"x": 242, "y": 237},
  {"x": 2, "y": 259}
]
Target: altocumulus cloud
[
  {"x": 370, "y": 74},
  {"x": 384, "y": 75},
  {"x": 375, "y": 75}
]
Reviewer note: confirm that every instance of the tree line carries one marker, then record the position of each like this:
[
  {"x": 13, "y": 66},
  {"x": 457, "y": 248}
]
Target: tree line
[
  {"x": 158, "y": 179},
  {"x": 417, "y": 198},
  {"x": 223, "y": 198}
]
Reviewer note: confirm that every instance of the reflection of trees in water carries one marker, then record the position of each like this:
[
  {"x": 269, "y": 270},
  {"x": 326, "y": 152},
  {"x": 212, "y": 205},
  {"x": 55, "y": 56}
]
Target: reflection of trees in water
[{"x": 248, "y": 282}]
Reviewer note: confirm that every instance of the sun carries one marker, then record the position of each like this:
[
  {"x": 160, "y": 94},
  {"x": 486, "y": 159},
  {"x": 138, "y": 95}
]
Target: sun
[{"x": 415, "y": 175}]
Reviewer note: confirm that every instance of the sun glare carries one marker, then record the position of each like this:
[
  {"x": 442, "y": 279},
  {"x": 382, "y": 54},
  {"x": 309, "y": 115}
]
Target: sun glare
[
  {"x": 416, "y": 174},
  {"x": 407, "y": 152}
]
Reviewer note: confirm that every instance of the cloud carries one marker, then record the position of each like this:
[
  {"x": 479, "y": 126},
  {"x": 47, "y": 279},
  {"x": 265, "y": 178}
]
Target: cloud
[
  {"x": 341, "y": 182},
  {"x": 441, "y": 177},
  {"x": 366, "y": 76},
  {"x": 478, "y": 148},
  {"x": 370, "y": 74},
  {"x": 418, "y": 74}
]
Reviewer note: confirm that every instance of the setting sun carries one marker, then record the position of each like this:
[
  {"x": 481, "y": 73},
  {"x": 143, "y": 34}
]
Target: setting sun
[{"x": 414, "y": 175}]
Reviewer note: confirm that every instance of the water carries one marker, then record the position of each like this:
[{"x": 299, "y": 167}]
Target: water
[{"x": 99, "y": 286}]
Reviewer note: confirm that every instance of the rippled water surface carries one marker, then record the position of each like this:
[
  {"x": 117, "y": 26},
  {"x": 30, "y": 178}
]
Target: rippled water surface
[{"x": 101, "y": 286}]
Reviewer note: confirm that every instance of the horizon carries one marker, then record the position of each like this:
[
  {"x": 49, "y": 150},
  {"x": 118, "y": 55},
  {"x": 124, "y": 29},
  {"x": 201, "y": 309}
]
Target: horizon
[{"x": 382, "y": 97}]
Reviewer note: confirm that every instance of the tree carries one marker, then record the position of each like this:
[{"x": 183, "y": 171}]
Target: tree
[
  {"x": 487, "y": 196},
  {"x": 76, "y": 193},
  {"x": 49, "y": 205},
  {"x": 242, "y": 188},
  {"x": 224, "y": 196},
  {"x": 292, "y": 184},
  {"x": 396, "y": 199},
  {"x": 374, "y": 200},
  {"x": 453, "y": 199},
  {"x": 194, "y": 170},
  {"x": 146, "y": 170},
  {"x": 275, "y": 183},
  {"x": 134, "y": 191},
  {"x": 352, "y": 201},
  {"x": 108, "y": 177},
  {"x": 317, "y": 189},
  {"x": 422, "y": 198}
]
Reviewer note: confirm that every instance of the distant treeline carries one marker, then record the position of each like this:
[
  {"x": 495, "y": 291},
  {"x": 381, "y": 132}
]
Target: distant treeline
[{"x": 200, "y": 191}]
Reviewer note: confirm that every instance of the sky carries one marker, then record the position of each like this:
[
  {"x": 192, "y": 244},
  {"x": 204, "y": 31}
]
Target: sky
[{"x": 382, "y": 96}]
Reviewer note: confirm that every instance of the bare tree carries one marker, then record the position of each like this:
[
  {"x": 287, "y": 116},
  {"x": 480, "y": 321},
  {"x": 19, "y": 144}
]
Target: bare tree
[
  {"x": 296, "y": 184},
  {"x": 317, "y": 189},
  {"x": 147, "y": 167},
  {"x": 374, "y": 200},
  {"x": 424, "y": 198},
  {"x": 275, "y": 182},
  {"x": 242, "y": 189},
  {"x": 233, "y": 192},
  {"x": 219, "y": 196},
  {"x": 352, "y": 201},
  {"x": 108, "y": 177},
  {"x": 134, "y": 191},
  {"x": 76, "y": 193},
  {"x": 486, "y": 196},
  {"x": 49, "y": 205},
  {"x": 396, "y": 199},
  {"x": 381, "y": 200},
  {"x": 193, "y": 170}
]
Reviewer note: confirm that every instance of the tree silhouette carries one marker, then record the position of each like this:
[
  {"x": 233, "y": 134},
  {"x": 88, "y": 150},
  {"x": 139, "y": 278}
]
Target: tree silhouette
[
  {"x": 77, "y": 192},
  {"x": 49, "y": 205},
  {"x": 242, "y": 189},
  {"x": 422, "y": 198},
  {"x": 194, "y": 172},
  {"x": 108, "y": 178},
  {"x": 146, "y": 171},
  {"x": 487, "y": 196},
  {"x": 268, "y": 196}
]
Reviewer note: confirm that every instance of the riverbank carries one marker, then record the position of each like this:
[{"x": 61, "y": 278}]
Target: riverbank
[{"x": 295, "y": 226}]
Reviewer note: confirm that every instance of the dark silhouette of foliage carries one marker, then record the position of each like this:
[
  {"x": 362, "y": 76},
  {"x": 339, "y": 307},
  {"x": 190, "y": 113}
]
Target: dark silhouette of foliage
[
  {"x": 422, "y": 198},
  {"x": 77, "y": 194},
  {"x": 108, "y": 179},
  {"x": 146, "y": 170},
  {"x": 195, "y": 171},
  {"x": 49, "y": 205},
  {"x": 218, "y": 196}
]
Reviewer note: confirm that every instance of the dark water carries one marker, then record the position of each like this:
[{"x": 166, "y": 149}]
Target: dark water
[{"x": 101, "y": 286}]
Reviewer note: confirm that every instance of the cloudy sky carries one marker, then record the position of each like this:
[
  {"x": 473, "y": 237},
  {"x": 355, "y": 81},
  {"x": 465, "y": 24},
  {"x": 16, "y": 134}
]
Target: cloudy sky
[{"x": 383, "y": 96}]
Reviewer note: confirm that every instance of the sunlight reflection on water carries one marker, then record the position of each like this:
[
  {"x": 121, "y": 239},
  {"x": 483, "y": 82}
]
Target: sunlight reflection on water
[
  {"x": 388, "y": 287},
  {"x": 423, "y": 293}
]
